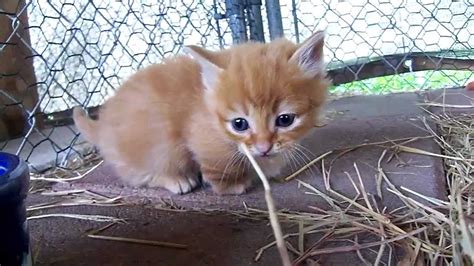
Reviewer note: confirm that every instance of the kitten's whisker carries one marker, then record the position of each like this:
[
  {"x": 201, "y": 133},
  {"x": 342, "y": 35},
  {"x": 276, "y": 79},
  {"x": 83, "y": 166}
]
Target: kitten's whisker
[
  {"x": 224, "y": 158},
  {"x": 246, "y": 165},
  {"x": 302, "y": 156},
  {"x": 232, "y": 169},
  {"x": 289, "y": 162},
  {"x": 229, "y": 163},
  {"x": 303, "y": 153},
  {"x": 307, "y": 150},
  {"x": 293, "y": 159},
  {"x": 306, "y": 158},
  {"x": 242, "y": 159}
]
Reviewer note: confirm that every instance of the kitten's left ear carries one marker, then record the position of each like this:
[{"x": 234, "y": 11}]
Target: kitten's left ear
[
  {"x": 209, "y": 71},
  {"x": 309, "y": 55}
]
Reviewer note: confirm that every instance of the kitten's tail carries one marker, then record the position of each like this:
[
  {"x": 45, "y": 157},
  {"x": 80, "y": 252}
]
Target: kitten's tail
[{"x": 85, "y": 125}]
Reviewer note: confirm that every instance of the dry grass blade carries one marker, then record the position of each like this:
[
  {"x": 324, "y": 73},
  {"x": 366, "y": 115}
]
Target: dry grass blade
[
  {"x": 78, "y": 197},
  {"x": 308, "y": 165},
  {"x": 271, "y": 209},
  {"x": 380, "y": 253},
  {"x": 366, "y": 245},
  {"x": 139, "y": 241},
  {"x": 362, "y": 189},
  {"x": 347, "y": 150},
  {"x": 434, "y": 104},
  {"x": 307, "y": 254},
  {"x": 411, "y": 255},
  {"x": 301, "y": 236},
  {"x": 359, "y": 254},
  {"x": 103, "y": 228},
  {"x": 430, "y": 199},
  {"x": 291, "y": 248},
  {"x": 95, "y": 218},
  {"x": 422, "y": 152},
  {"x": 440, "y": 216},
  {"x": 267, "y": 246},
  {"x": 467, "y": 231},
  {"x": 78, "y": 202},
  {"x": 94, "y": 234},
  {"x": 65, "y": 180},
  {"x": 328, "y": 199},
  {"x": 63, "y": 192},
  {"x": 375, "y": 215}
]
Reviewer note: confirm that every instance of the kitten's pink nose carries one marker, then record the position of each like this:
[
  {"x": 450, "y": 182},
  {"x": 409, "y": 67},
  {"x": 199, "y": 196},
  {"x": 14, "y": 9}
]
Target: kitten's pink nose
[{"x": 263, "y": 147}]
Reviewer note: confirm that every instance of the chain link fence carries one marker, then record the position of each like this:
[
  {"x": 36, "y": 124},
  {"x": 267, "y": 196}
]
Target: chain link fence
[
  {"x": 56, "y": 54},
  {"x": 404, "y": 36}
]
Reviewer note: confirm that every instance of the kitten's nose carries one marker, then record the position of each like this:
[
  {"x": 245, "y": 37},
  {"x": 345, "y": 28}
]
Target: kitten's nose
[{"x": 263, "y": 147}]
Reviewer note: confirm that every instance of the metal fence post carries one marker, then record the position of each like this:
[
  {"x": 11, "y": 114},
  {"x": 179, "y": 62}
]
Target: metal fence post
[
  {"x": 275, "y": 24},
  {"x": 18, "y": 84},
  {"x": 295, "y": 20},
  {"x": 254, "y": 13},
  {"x": 235, "y": 12}
]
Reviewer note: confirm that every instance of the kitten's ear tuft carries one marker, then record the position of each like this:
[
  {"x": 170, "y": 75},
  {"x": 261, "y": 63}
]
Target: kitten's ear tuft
[
  {"x": 309, "y": 55},
  {"x": 209, "y": 71}
]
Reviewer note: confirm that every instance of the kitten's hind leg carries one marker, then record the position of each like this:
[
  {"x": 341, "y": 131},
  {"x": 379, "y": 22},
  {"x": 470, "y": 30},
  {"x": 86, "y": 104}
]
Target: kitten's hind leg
[{"x": 169, "y": 166}]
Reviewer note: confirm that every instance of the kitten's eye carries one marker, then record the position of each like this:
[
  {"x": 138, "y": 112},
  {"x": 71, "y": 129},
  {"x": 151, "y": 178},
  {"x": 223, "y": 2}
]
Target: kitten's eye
[
  {"x": 240, "y": 124},
  {"x": 285, "y": 120}
]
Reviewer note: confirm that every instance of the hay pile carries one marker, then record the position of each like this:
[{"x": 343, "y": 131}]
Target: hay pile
[
  {"x": 457, "y": 140},
  {"x": 439, "y": 234}
]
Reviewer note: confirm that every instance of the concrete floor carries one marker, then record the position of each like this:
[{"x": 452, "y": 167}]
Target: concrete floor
[
  {"x": 217, "y": 239},
  {"x": 222, "y": 239}
]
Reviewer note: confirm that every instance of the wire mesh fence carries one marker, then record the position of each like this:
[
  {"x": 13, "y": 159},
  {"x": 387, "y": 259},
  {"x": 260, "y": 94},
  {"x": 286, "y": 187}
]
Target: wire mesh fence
[
  {"x": 81, "y": 50},
  {"x": 433, "y": 31},
  {"x": 57, "y": 54}
]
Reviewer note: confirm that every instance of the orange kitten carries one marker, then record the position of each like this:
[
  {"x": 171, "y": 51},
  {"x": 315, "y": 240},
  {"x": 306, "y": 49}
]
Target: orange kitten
[{"x": 170, "y": 121}]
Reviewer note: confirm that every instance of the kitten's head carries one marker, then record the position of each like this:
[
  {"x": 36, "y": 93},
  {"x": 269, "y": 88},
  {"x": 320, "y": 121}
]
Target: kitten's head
[{"x": 265, "y": 95}]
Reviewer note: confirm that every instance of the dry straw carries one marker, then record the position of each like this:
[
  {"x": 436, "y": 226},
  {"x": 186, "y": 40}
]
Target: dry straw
[{"x": 271, "y": 209}]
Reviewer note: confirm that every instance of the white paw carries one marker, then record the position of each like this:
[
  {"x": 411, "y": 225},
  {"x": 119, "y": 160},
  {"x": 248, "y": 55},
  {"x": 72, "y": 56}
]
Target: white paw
[
  {"x": 237, "y": 189},
  {"x": 232, "y": 189},
  {"x": 177, "y": 185},
  {"x": 182, "y": 185}
]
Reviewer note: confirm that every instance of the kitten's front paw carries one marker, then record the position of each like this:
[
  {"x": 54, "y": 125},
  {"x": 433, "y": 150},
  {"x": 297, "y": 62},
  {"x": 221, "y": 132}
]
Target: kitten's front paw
[
  {"x": 231, "y": 188},
  {"x": 176, "y": 184}
]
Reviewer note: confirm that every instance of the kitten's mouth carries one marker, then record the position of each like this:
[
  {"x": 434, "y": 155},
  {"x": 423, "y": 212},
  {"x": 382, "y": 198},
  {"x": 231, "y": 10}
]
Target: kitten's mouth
[
  {"x": 267, "y": 155},
  {"x": 263, "y": 155}
]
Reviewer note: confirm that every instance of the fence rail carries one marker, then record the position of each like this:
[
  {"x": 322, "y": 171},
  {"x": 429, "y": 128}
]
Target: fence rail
[{"x": 64, "y": 53}]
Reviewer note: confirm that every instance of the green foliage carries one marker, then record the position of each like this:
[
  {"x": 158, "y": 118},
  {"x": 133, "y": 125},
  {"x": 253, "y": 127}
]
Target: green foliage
[{"x": 406, "y": 82}]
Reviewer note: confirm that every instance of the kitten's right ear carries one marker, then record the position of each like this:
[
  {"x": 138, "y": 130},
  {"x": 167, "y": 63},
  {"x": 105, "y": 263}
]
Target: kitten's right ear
[{"x": 209, "y": 71}]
